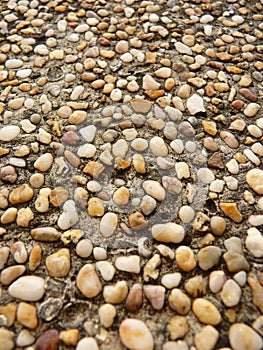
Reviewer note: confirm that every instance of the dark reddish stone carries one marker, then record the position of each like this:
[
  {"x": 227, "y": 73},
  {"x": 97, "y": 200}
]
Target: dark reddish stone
[
  {"x": 134, "y": 298},
  {"x": 238, "y": 104},
  {"x": 48, "y": 340},
  {"x": 70, "y": 137},
  {"x": 248, "y": 94},
  {"x": 215, "y": 161}
]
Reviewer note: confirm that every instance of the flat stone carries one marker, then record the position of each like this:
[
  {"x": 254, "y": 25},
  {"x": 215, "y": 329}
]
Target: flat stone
[
  {"x": 195, "y": 104},
  {"x": 231, "y": 210},
  {"x": 169, "y": 232},
  {"x": 108, "y": 224},
  {"x": 9, "y": 133},
  {"x": 129, "y": 263}
]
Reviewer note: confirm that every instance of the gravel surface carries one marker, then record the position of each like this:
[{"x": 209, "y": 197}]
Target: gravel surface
[{"x": 131, "y": 181}]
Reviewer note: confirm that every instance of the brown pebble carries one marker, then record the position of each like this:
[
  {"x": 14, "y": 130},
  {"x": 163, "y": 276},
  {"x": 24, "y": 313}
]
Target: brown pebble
[
  {"x": 248, "y": 94},
  {"x": 231, "y": 210},
  {"x": 21, "y": 194},
  {"x": 137, "y": 221},
  {"x": 134, "y": 298},
  {"x": 58, "y": 196},
  {"x": 48, "y": 340},
  {"x": 35, "y": 258},
  {"x": 215, "y": 161},
  {"x": 238, "y": 104},
  {"x": 27, "y": 315}
]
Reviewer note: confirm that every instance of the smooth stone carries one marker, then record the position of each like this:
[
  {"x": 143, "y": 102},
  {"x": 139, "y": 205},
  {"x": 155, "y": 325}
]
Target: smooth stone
[
  {"x": 208, "y": 257},
  {"x": 158, "y": 146},
  {"x": 107, "y": 313},
  {"x": 171, "y": 280},
  {"x": 69, "y": 216},
  {"x": 206, "y": 312},
  {"x": 243, "y": 337},
  {"x": 179, "y": 302},
  {"x": 115, "y": 294},
  {"x": 87, "y": 343},
  {"x": 169, "y": 232},
  {"x": 216, "y": 280},
  {"x": 48, "y": 340},
  {"x": 58, "y": 264},
  {"x": 108, "y": 224},
  {"x": 6, "y": 339},
  {"x": 88, "y": 281},
  {"x": 134, "y": 299},
  {"x": 106, "y": 269},
  {"x": 231, "y": 293},
  {"x": 25, "y": 338},
  {"x": 128, "y": 263},
  {"x": 135, "y": 334},
  {"x": 9, "y": 133},
  {"x": 254, "y": 242},
  {"x": 21, "y": 194},
  {"x": 155, "y": 294},
  {"x": 206, "y": 339},
  {"x": 28, "y": 288},
  {"x": 84, "y": 248},
  {"x": 195, "y": 104},
  {"x": 154, "y": 189},
  {"x": 45, "y": 234},
  {"x": 185, "y": 258},
  {"x": 254, "y": 179},
  {"x": 44, "y": 162}
]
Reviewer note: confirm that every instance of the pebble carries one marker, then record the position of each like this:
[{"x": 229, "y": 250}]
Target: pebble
[
  {"x": 27, "y": 315},
  {"x": 107, "y": 313},
  {"x": 108, "y": 224},
  {"x": 11, "y": 273},
  {"x": 45, "y": 234},
  {"x": 206, "y": 339},
  {"x": 243, "y": 337},
  {"x": 254, "y": 242},
  {"x": 206, "y": 312},
  {"x": 8, "y": 174},
  {"x": 171, "y": 280},
  {"x": 88, "y": 281},
  {"x": 25, "y": 338},
  {"x": 195, "y": 104},
  {"x": 99, "y": 253},
  {"x": 135, "y": 298},
  {"x": 169, "y": 232},
  {"x": 69, "y": 336},
  {"x": 87, "y": 343},
  {"x": 115, "y": 294},
  {"x": 58, "y": 264},
  {"x": 44, "y": 162},
  {"x": 254, "y": 179},
  {"x": 158, "y": 147},
  {"x": 178, "y": 327},
  {"x": 154, "y": 189},
  {"x": 21, "y": 194},
  {"x": 106, "y": 269},
  {"x": 231, "y": 210},
  {"x": 231, "y": 293},
  {"x": 205, "y": 175},
  {"x": 217, "y": 279},
  {"x": 28, "y": 288},
  {"x": 135, "y": 334},
  {"x": 179, "y": 302},
  {"x": 128, "y": 263},
  {"x": 121, "y": 196},
  {"x": 9, "y": 133},
  {"x": 48, "y": 340},
  {"x": 208, "y": 257},
  {"x": 185, "y": 258},
  {"x": 6, "y": 338},
  {"x": 69, "y": 217}
]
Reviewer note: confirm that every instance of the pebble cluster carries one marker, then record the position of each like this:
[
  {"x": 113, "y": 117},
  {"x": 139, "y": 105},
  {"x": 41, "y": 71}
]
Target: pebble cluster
[{"x": 131, "y": 181}]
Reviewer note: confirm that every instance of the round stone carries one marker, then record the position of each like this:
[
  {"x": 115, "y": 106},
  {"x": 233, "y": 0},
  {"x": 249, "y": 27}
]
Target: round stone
[
  {"x": 254, "y": 179},
  {"x": 136, "y": 335},
  {"x": 28, "y": 288},
  {"x": 206, "y": 312},
  {"x": 243, "y": 337}
]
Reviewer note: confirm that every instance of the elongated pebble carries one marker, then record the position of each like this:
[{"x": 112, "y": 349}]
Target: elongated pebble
[
  {"x": 169, "y": 232},
  {"x": 136, "y": 335},
  {"x": 28, "y": 288}
]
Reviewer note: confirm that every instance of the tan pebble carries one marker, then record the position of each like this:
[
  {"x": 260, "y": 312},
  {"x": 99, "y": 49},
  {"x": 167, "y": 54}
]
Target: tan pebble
[
  {"x": 58, "y": 196},
  {"x": 8, "y": 216},
  {"x": 229, "y": 139},
  {"x": 257, "y": 292},
  {"x": 231, "y": 293},
  {"x": 35, "y": 258},
  {"x": 231, "y": 210},
  {"x": 137, "y": 221},
  {"x": 64, "y": 112},
  {"x": 77, "y": 117},
  {"x": 24, "y": 216},
  {"x": 185, "y": 258},
  {"x": 69, "y": 337},
  {"x": 108, "y": 224},
  {"x": 44, "y": 162},
  {"x": 58, "y": 264},
  {"x": 95, "y": 207},
  {"x": 9, "y": 312},
  {"x": 218, "y": 225},
  {"x": 206, "y": 312},
  {"x": 45, "y": 234},
  {"x": 135, "y": 298},
  {"x": 107, "y": 313},
  {"x": 139, "y": 163},
  {"x": 243, "y": 337},
  {"x": 94, "y": 169},
  {"x": 121, "y": 196},
  {"x": 209, "y": 127},
  {"x": 21, "y": 194},
  {"x": 254, "y": 179},
  {"x": 115, "y": 294},
  {"x": 206, "y": 339},
  {"x": 6, "y": 339},
  {"x": 195, "y": 286},
  {"x": 178, "y": 327},
  {"x": 11, "y": 273},
  {"x": 235, "y": 262},
  {"x": 155, "y": 294},
  {"x": 208, "y": 257},
  {"x": 88, "y": 281},
  {"x": 37, "y": 180},
  {"x": 179, "y": 302},
  {"x": 251, "y": 109},
  {"x": 136, "y": 335},
  {"x": 27, "y": 315}
]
